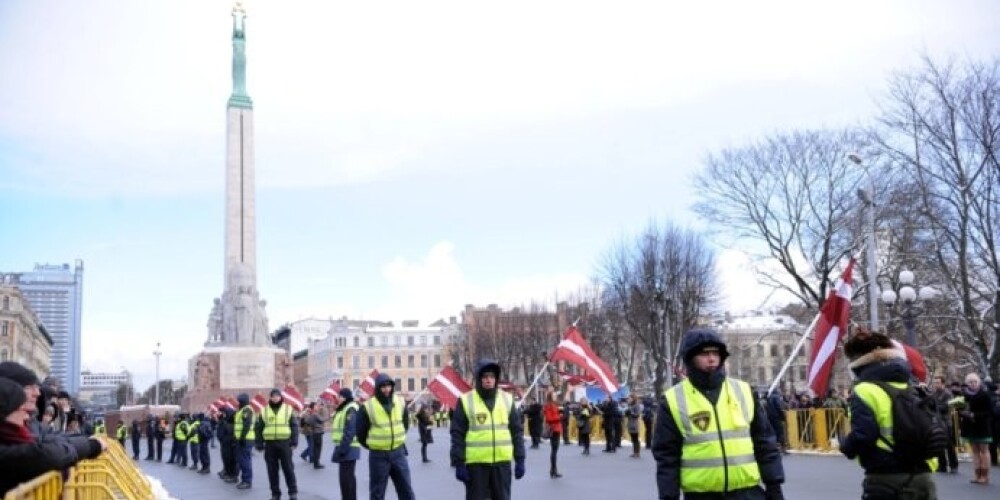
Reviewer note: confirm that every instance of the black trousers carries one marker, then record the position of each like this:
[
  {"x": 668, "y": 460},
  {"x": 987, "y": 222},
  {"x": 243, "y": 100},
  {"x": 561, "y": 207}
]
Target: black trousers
[
  {"x": 226, "y": 455},
  {"x": 150, "y": 447},
  {"x": 279, "y": 453},
  {"x": 648, "y": 423},
  {"x": 554, "y": 442},
  {"x": 490, "y": 481},
  {"x": 585, "y": 442},
  {"x": 135, "y": 446},
  {"x": 348, "y": 482},
  {"x": 317, "y": 447},
  {"x": 949, "y": 459},
  {"x": 159, "y": 449}
]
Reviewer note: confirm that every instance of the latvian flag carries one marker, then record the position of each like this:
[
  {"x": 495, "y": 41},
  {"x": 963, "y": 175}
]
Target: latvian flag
[
  {"x": 574, "y": 349},
  {"x": 572, "y": 379},
  {"x": 293, "y": 397},
  {"x": 448, "y": 386},
  {"x": 258, "y": 402},
  {"x": 830, "y": 329},
  {"x": 332, "y": 393},
  {"x": 367, "y": 387}
]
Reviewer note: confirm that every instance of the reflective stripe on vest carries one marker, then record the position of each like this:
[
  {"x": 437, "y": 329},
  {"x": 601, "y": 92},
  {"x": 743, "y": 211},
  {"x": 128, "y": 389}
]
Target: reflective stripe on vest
[
  {"x": 238, "y": 424},
  {"x": 99, "y": 429},
  {"x": 337, "y": 432},
  {"x": 386, "y": 433},
  {"x": 180, "y": 431},
  {"x": 276, "y": 424},
  {"x": 880, "y": 404},
  {"x": 121, "y": 432},
  {"x": 193, "y": 433},
  {"x": 488, "y": 440},
  {"x": 717, "y": 455}
]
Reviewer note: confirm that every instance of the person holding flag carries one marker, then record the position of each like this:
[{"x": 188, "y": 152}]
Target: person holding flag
[
  {"x": 711, "y": 436},
  {"x": 486, "y": 435}
]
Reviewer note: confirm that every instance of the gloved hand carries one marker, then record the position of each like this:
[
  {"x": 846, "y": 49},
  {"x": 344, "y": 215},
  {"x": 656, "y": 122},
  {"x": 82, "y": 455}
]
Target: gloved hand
[
  {"x": 462, "y": 473},
  {"x": 518, "y": 468},
  {"x": 773, "y": 492}
]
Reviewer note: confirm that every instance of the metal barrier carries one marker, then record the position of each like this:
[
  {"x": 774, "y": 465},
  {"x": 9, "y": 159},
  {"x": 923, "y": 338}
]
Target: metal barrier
[{"x": 48, "y": 486}]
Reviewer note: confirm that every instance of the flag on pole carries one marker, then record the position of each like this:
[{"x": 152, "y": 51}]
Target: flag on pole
[
  {"x": 571, "y": 379},
  {"x": 367, "y": 387},
  {"x": 258, "y": 402},
  {"x": 917, "y": 365},
  {"x": 830, "y": 329},
  {"x": 574, "y": 349},
  {"x": 293, "y": 397},
  {"x": 232, "y": 403},
  {"x": 448, "y": 386},
  {"x": 332, "y": 393}
]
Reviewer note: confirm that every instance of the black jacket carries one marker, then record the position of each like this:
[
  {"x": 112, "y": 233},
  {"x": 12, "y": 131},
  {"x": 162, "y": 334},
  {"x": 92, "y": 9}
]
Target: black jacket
[
  {"x": 460, "y": 422},
  {"x": 22, "y": 462},
  {"x": 668, "y": 441},
  {"x": 293, "y": 424}
]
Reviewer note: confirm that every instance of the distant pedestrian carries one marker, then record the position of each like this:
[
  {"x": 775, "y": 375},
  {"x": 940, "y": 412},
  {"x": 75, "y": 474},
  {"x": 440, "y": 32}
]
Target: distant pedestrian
[
  {"x": 977, "y": 425},
  {"x": 533, "y": 410},
  {"x": 583, "y": 425},
  {"x": 424, "y": 420},
  {"x": 136, "y": 437},
  {"x": 150, "y": 437},
  {"x": 121, "y": 432},
  {"x": 317, "y": 421},
  {"x": 553, "y": 418},
  {"x": 633, "y": 413}
]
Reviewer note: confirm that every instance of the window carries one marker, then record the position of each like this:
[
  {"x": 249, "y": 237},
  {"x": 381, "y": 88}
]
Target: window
[
  {"x": 6, "y": 303},
  {"x": 423, "y": 383},
  {"x": 371, "y": 361},
  {"x": 385, "y": 340},
  {"x": 356, "y": 361},
  {"x": 340, "y": 362},
  {"x": 410, "y": 384},
  {"x": 409, "y": 340},
  {"x": 761, "y": 375},
  {"x": 437, "y": 361},
  {"x": 399, "y": 361},
  {"x": 409, "y": 361},
  {"x": 399, "y": 383},
  {"x": 357, "y": 341},
  {"x": 760, "y": 351},
  {"x": 774, "y": 350},
  {"x": 397, "y": 340},
  {"x": 423, "y": 361},
  {"x": 385, "y": 362},
  {"x": 437, "y": 340},
  {"x": 788, "y": 351},
  {"x": 4, "y": 327},
  {"x": 4, "y": 356},
  {"x": 423, "y": 340},
  {"x": 371, "y": 341}
]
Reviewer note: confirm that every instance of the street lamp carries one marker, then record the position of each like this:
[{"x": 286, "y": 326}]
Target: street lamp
[
  {"x": 156, "y": 388},
  {"x": 868, "y": 198},
  {"x": 909, "y": 298}
]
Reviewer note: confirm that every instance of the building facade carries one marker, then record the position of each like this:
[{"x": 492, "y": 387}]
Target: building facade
[
  {"x": 22, "y": 337},
  {"x": 55, "y": 293},
  {"x": 412, "y": 355},
  {"x": 101, "y": 389}
]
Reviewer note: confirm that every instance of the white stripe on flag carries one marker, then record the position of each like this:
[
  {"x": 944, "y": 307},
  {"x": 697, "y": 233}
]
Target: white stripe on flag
[
  {"x": 825, "y": 352},
  {"x": 568, "y": 344},
  {"x": 448, "y": 385}
]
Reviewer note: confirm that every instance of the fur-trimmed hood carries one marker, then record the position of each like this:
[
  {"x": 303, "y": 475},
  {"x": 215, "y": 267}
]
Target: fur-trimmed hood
[{"x": 887, "y": 365}]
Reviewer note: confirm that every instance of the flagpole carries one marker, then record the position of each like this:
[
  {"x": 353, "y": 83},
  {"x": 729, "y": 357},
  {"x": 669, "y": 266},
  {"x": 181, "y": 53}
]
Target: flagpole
[
  {"x": 533, "y": 382},
  {"x": 417, "y": 397},
  {"x": 795, "y": 352}
]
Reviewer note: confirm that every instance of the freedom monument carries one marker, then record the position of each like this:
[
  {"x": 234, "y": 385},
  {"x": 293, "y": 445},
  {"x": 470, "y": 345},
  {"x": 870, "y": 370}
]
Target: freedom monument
[{"x": 239, "y": 355}]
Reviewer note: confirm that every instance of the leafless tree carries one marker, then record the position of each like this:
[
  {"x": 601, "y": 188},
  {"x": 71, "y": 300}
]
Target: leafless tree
[
  {"x": 659, "y": 284},
  {"x": 941, "y": 125},
  {"x": 788, "y": 199}
]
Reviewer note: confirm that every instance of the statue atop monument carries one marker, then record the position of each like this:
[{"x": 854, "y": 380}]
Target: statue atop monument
[
  {"x": 239, "y": 98},
  {"x": 239, "y": 318}
]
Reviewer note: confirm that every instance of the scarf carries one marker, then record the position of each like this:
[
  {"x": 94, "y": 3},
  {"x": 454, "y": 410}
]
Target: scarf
[{"x": 15, "y": 434}]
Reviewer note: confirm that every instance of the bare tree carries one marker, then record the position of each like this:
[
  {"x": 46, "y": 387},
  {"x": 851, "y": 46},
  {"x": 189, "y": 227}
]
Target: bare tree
[
  {"x": 659, "y": 285},
  {"x": 941, "y": 125},
  {"x": 789, "y": 199}
]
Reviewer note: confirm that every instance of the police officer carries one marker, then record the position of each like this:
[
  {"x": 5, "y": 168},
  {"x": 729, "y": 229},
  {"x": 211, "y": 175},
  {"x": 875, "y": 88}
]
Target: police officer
[
  {"x": 243, "y": 432},
  {"x": 486, "y": 435},
  {"x": 136, "y": 437},
  {"x": 121, "y": 432},
  {"x": 194, "y": 440},
  {"x": 347, "y": 449},
  {"x": 277, "y": 432},
  {"x": 712, "y": 438},
  {"x": 150, "y": 437},
  {"x": 382, "y": 424},
  {"x": 178, "y": 454},
  {"x": 227, "y": 445},
  {"x": 205, "y": 434},
  {"x": 99, "y": 428}
]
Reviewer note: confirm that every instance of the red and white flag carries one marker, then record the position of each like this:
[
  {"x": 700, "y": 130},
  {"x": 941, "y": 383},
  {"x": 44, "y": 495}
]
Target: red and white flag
[
  {"x": 448, "y": 386},
  {"x": 258, "y": 402},
  {"x": 572, "y": 379},
  {"x": 231, "y": 403},
  {"x": 293, "y": 397},
  {"x": 332, "y": 393},
  {"x": 367, "y": 387},
  {"x": 830, "y": 329},
  {"x": 574, "y": 349},
  {"x": 916, "y": 360}
]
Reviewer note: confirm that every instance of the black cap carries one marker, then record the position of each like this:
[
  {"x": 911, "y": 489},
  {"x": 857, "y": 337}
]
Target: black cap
[
  {"x": 275, "y": 391},
  {"x": 18, "y": 373},
  {"x": 346, "y": 394},
  {"x": 11, "y": 397}
]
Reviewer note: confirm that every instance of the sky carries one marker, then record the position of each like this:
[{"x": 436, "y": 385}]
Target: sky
[{"x": 412, "y": 157}]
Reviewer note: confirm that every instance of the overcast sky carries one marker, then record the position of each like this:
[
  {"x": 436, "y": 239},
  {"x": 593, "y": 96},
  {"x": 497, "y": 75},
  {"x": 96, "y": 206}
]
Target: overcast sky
[{"x": 412, "y": 157}]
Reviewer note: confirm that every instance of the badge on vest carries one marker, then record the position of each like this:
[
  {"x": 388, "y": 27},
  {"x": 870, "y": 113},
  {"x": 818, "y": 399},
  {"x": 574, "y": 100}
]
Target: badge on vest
[
  {"x": 481, "y": 418},
  {"x": 701, "y": 420}
]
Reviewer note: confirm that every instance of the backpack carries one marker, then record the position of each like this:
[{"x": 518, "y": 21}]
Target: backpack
[{"x": 918, "y": 432}]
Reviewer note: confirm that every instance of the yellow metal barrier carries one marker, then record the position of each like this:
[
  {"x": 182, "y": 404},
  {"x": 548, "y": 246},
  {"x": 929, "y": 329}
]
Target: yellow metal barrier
[{"x": 48, "y": 486}]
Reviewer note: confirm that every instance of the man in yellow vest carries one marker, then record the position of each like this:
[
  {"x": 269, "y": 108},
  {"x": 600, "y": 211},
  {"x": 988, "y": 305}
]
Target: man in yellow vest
[
  {"x": 277, "y": 432},
  {"x": 486, "y": 435},
  {"x": 244, "y": 435},
  {"x": 712, "y": 439},
  {"x": 874, "y": 358},
  {"x": 382, "y": 424},
  {"x": 347, "y": 449},
  {"x": 121, "y": 433}
]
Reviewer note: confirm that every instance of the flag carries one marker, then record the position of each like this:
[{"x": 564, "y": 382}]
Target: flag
[
  {"x": 572, "y": 379},
  {"x": 258, "y": 402},
  {"x": 917, "y": 366},
  {"x": 293, "y": 397},
  {"x": 332, "y": 393},
  {"x": 830, "y": 329},
  {"x": 510, "y": 387},
  {"x": 448, "y": 386},
  {"x": 367, "y": 387},
  {"x": 574, "y": 349},
  {"x": 232, "y": 403}
]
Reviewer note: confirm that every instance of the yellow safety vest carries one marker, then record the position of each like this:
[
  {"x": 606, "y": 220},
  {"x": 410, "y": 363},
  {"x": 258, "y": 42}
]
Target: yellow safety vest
[
  {"x": 99, "y": 429},
  {"x": 881, "y": 405},
  {"x": 121, "y": 433},
  {"x": 181, "y": 431},
  {"x": 337, "y": 433},
  {"x": 488, "y": 440},
  {"x": 238, "y": 424},
  {"x": 276, "y": 424},
  {"x": 710, "y": 464},
  {"x": 386, "y": 433},
  {"x": 193, "y": 433}
]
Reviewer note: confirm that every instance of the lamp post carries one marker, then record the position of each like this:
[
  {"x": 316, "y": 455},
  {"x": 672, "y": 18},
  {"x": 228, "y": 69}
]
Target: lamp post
[
  {"x": 156, "y": 388},
  {"x": 867, "y": 197},
  {"x": 909, "y": 299}
]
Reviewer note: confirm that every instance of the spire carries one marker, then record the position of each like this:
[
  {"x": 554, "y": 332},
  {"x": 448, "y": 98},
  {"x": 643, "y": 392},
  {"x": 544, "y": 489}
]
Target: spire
[{"x": 239, "y": 98}]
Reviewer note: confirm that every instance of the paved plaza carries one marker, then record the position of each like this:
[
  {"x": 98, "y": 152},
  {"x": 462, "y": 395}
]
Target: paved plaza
[{"x": 598, "y": 476}]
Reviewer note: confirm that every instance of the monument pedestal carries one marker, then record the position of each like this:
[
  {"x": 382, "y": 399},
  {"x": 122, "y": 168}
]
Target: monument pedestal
[{"x": 226, "y": 371}]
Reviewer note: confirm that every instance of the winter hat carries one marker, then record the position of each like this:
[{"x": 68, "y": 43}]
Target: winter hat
[
  {"x": 11, "y": 397},
  {"x": 18, "y": 373},
  {"x": 346, "y": 394},
  {"x": 243, "y": 399},
  {"x": 865, "y": 342},
  {"x": 275, "y": 392}
]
